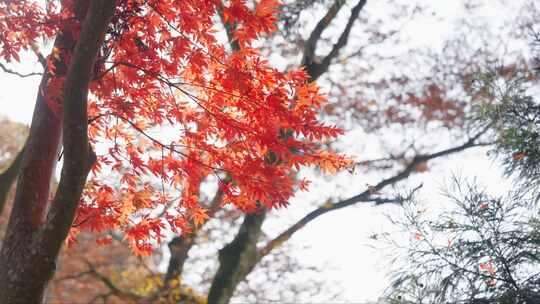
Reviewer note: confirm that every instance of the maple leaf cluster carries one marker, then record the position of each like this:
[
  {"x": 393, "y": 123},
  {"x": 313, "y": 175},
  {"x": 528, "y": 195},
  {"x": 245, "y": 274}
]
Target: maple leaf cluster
[{"x": 170, "y": 107}]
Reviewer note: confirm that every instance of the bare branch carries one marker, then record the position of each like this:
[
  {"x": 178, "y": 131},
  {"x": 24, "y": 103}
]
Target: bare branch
[
  {"x": 314, "y": 67},
  {"x": 9, "y": 71},
  {"x": 109, "y": 283},
  {"x": 311, "y": 43},
  {"x": 366, "y": 196},
  {"x": 103, "y": 297}
]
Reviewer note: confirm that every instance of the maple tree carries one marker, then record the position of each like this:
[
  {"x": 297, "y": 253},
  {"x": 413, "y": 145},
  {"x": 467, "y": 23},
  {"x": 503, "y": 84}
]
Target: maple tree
[
  {"x": 120, "y": 70},
  {"x": 134, "y": 145},
  {"x": 434, "y": 106}
]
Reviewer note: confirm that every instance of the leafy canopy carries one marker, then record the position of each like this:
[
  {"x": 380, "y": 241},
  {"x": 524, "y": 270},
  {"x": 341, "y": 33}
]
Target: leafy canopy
[{"x": 171, "y": 107}]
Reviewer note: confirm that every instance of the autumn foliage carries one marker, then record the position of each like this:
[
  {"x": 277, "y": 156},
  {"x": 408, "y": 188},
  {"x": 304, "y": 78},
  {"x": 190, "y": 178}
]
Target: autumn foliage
[{"x": 171, "y": 106}]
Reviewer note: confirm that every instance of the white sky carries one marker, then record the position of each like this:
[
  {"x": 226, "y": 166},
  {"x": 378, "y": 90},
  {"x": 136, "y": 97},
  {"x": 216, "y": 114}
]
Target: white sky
[{"x": 340, "y": 238}]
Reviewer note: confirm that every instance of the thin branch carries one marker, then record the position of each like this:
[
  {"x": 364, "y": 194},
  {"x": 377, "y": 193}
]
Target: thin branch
[
  {"x": 110, "y": 285},
  {"x": 103, "y": 297},
  {"x": 9, "y": 71},
  {"x": 74, "y": 276}
]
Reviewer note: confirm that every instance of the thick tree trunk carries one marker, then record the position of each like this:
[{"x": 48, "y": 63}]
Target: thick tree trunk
[
  {"x": 20, "y": 267},
  {"x": 236, "y": 259},
  {"x": 34, "y": 238}
]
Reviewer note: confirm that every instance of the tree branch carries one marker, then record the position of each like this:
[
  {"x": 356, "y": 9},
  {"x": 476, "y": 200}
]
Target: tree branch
[
  {"x": 117, "y": 291},
  {"x": 32, "y": 243},
  {"x": 315, "y": 36},
  {"x": 9, "y": 71},
  {"x": 366, "y": 196},
  {"x": 315, "y": 68},
  {"x": 78, "y": 156},
  {"x": 236, "y": 259},
  {"x": 181, "y": 245},
  {"x": 42, "y": 60},
  {"x": 229, "y": 30}
]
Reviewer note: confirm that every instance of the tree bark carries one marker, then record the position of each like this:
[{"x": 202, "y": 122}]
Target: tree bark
[
  {"x": 179, "y": 247},
  {"x": 236, "y": 259},
  {"x": 315, "y": 68},
  {"x": 34, "y": 238}
]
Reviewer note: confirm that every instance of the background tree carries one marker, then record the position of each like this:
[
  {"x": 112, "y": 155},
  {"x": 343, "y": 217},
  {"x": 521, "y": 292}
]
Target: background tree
[
  {"x": 483, "y": 249},
  {"x": 11, "y": 141}
]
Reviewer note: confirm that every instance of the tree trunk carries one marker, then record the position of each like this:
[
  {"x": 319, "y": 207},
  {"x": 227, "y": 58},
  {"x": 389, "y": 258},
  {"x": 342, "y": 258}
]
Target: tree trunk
[
  {"x": 236, "y": 259},
  {"x": 179, "y": 247},
  {"x": 34, "y": 238},
  {"x": 7, "y": 179},
  {"x": 21, "y": 269}
]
